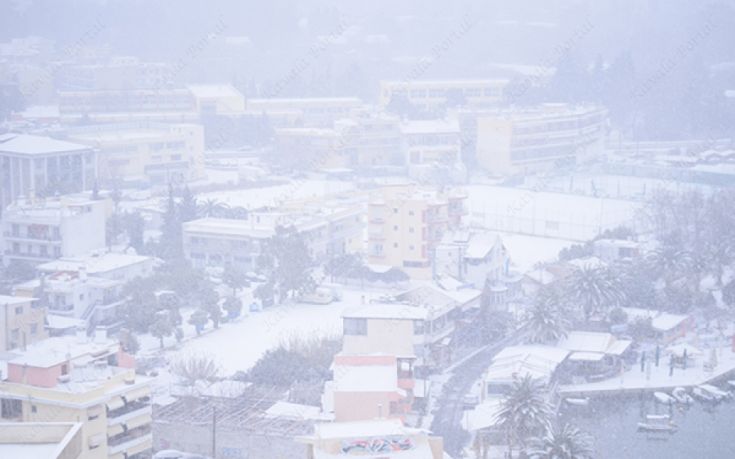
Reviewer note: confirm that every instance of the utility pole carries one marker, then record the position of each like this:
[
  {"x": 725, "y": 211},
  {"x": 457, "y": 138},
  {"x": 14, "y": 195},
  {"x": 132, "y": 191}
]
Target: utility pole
[{"x": 214, "y": 432}]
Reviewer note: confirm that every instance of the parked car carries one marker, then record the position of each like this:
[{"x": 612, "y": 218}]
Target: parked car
[
  {"x": 174, "y": 454},
  {"x": 321, "y": 295}
]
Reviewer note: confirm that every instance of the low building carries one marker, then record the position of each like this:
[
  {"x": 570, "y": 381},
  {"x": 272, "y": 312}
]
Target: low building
[
  {"x": 435, "y": 95},
  {"x": 379, "y": 438},
  {"x": 372, "y": 140},
  {"x": 75, "y": 295},
  {"x": 310, "y": 148},
  {"x": 313, "y": 111},
  {"x": 42, "y": 230},
  {"x": 367, "y": 387},
  {"x": 531, "y": 140},
  {"x": 609, "y": 250},
  {"x": 115, "y": 266},
  {"x": 593, "y": 355},
  {"x": 144, "y": 152},
  {"x": 217, "y": 98},
  {"x": 538, "y": 362},
  {"x": 172, "y": 105},
  {"x": 327, "y": 232},
  {"x": 667, "y": 327},
  {"x": 93, "y": 382},
  {"x": 21, "y": 322},
  {"x": 474, "y": 258},
  {"x": 34, "y": 165},
  {"x": 47, "y": 440}
]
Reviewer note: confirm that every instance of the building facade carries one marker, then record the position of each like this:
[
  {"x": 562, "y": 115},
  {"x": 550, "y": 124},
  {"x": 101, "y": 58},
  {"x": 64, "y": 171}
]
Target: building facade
[
  {"x": 532, "y": 140},
  {"x": 42, "y": 230},
  {"x": 405, "y": 224},
  {"x": 34, "y": 165},
  {"x": 432, "y": 95},
  {"x": 22, "y": 322},
  {"x": 94, "y": 383}
]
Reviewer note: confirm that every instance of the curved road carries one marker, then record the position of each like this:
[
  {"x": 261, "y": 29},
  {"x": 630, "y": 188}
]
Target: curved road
[{"x": 448, "y": 415}]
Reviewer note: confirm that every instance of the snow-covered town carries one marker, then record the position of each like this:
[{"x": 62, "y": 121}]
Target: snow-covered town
[{"x": 305, "y": 230}]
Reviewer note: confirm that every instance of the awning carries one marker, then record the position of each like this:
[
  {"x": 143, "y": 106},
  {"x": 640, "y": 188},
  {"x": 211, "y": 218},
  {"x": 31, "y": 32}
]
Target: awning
[
  {"x": 115, "y": 403},
  {"x": 137, "y": 394},
  {"x": 138, "y": 421},
  {"x": 619, "y": 347},
  {"x": 115, "y": 429},
  {"x": 140, "y": 447},
  {"x": 96, "y": 440},
  {"x": 586, "y": 356}
]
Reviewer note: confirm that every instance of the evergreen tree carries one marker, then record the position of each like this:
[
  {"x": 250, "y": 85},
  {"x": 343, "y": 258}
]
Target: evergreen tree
[
  {"x": 170, "y": 245},
  {"x": 188, "y": 210},
  {"x": 286, "y": 259}
]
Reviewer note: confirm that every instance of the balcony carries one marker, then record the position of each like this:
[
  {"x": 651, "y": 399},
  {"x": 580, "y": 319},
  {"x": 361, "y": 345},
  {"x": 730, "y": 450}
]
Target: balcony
[
  {"x": 130, "y": 443},
  {"x": 131, "y": 411},
  {"x": 30, "y": 238}
]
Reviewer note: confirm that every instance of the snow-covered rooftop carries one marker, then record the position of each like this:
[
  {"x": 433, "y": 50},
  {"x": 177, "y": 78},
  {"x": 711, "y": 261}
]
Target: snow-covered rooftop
[
  {"x": 587, "y": 342},
  {"x": 387, "y": 311},
  {"x": 14, "y": 300},
  {"x": 209, "y": 91},
  {"x": 94, "y": 264},
  {"x": 26, "y": 144}
]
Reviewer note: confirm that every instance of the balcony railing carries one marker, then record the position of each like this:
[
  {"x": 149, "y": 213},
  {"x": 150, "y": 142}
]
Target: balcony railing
[
  {"x": 131, "y": 411},
  {"x": 128, "y": 442}
]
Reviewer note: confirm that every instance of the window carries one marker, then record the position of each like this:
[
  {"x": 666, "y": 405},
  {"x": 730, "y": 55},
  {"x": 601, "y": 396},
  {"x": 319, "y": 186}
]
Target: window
[
  {"x": 395, "y": 210},
  {"x": 418, "y": 327},
  {"x": 19, "y": 310},
  {"x": 395, "y": 227},
  {"x": 15, "y": 334},
  {"x": 410, "y": 229},
  {"x": 395, "y": 245},
  {"x": 10, "y": 409},
  {"x": 34, "y": 329},
  {"x": 34, "y": 409},
  {"x": 355, "y": 327}
]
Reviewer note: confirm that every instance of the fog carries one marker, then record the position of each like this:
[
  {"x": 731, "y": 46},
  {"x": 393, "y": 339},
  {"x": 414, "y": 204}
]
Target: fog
[{"x": 418, "y": 229}]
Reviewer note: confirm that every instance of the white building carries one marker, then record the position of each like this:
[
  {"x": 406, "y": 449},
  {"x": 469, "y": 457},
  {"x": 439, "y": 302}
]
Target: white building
[
  {"x": 329, "y": 231},
  {"x": 313, "y": 111},
  {"x": 42, "y": 230},
  {"x": 474, "y": 258},
  {"x": 122, "y": 267},
  {"x": 430, "y": 95},
  {"x": 34, "y": 165}
]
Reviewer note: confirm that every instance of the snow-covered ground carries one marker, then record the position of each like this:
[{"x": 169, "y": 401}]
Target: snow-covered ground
[
  {"x": 526, "y": 251},
  {"x": 549, "y": 214},
  {"x": 658, "y": 377},
  {"x": 238, "y": 345}
]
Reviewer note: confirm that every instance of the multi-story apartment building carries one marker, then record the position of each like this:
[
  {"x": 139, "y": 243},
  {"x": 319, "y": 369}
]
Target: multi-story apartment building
[
  {"x": 431, "y": 95},
  {"x": 406, "y": 223},
  {"x": 176, "y": 105},
  {"x": 94, "y": 300},
  {"x": 328, "y": 232},
  {"x": 144, "y": 152},
  {"x": 93, "y": 382},
  {"x": 367, "y": 387},
  {"x": 372, "y": 140},
  {"x": 531, "y": 140},
  {"x": 315, "y": 111},
  {"x": 118, "y": 73},
  {"x": 42, "y": 230},
  {"x": 310, "y": 148},
  {"x": 37, "y": 165},
  {"x": 218, "y": 98},
  {"x": 21, "y": 322},
  {"x": 429, "y": 141},
  {"x": 47, "y": 440}
]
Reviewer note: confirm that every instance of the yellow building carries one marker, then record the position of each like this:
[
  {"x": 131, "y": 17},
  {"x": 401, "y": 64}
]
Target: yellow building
[
  {"x": 405, "y": 224},
  {"x": 313, "y": 111},
  {"x": 143, "y": 152},
  {"x": 531, "y": 140},
  {"x": 21, "y": 323},
  {"x": 433, "y": 94},
  {"x": 92, "y": 382}
]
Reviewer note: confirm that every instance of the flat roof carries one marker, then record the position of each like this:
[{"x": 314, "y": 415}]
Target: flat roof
[
  {"x": 387, "y": 311},
  {"x": 376, "y": 428},
  {"x": 13, "y": 300},
  {"x": 94, "y": 264},
  {"x": 28, "y": 450},
  {"x": 26, "y": 144},
  {"x": 56, "y": 350},
  {"x": 207, "y": 91}
]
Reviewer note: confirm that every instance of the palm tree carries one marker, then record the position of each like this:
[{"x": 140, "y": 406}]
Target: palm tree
[
  {"x": 670, "y": 262},
  {"x": 565, "y": 442},
  {"x": 595, "y": 290},
  {"x": 547, "y": 321},
  {"x": 524, "y": 411},
  {"x": 212, "y": 208}
]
